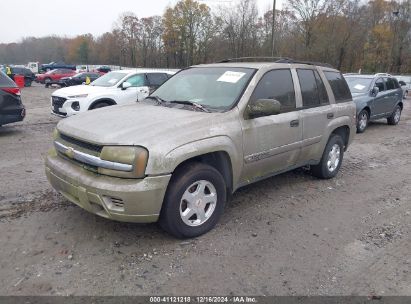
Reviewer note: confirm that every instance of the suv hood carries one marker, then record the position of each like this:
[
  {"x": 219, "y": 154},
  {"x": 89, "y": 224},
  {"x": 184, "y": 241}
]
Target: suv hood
[
  {"x": 141, "y": 125},
  {"x": 78, "y": 90}
]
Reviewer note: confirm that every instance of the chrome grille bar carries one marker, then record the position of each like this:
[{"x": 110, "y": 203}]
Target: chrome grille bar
[{"x": 90, "y": 159}]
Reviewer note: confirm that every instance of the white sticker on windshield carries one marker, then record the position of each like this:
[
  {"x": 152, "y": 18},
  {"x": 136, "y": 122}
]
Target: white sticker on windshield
[
  {"x": 359, "y": 87},
  {"x": 113, "y": 80},
  {"x": 232, "y": 77}
]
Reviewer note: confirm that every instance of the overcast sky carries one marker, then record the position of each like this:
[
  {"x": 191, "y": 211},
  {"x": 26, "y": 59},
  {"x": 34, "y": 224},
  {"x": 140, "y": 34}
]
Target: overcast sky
[{"x": 25, "y": 18}]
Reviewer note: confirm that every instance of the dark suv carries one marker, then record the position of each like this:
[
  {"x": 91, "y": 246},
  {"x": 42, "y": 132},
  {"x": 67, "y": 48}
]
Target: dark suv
[
  {"x": 11, "y": 107},
  {"x": 376, "y": 96},
  {"x": 78, "y": 79},
  {"x": 29, "y": 76}
]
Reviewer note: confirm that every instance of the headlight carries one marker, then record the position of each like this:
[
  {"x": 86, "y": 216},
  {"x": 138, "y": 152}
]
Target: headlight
[
  {"x": 135, "y": 156},
  {"x": 78, "y": 96}
]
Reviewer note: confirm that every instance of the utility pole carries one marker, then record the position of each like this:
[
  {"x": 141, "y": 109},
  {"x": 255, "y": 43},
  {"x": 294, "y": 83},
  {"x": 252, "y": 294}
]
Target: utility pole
[{"x": 272, "y": 31}]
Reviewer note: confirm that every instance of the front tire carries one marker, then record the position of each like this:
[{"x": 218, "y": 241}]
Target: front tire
[
  {"x": 395, "y": 117},
  {"x": 194, "y": 201},
  {"x": 331, "y": 160},
  {"x": 362, "y": 121}
]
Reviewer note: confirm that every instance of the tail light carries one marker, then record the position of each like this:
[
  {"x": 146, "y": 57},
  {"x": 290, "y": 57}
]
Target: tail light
[{"x": 14, "y": 91}]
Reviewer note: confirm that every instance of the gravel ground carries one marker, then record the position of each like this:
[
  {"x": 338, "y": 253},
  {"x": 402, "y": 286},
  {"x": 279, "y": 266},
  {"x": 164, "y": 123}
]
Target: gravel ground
[{"x": 288, "y": 235}]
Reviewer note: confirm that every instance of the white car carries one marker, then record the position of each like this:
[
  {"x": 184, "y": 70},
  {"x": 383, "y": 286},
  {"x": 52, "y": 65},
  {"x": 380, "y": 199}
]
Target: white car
[{"x": 118, "y": 87}]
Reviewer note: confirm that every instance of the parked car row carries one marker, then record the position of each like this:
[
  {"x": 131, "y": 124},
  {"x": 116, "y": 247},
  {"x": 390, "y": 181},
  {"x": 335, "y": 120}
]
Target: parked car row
[
  {"x": 54, "y": 76},
  {"x": 114, "y": 88}
]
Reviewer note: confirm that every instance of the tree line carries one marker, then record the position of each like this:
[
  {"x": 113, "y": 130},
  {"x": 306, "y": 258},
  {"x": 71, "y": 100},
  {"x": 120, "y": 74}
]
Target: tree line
[{"x": 349, "y": 34}]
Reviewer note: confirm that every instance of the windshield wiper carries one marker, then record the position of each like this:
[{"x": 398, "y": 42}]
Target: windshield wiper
[
  {"x": 156, "y": 98},
  {"x": 191, "y": 103}
]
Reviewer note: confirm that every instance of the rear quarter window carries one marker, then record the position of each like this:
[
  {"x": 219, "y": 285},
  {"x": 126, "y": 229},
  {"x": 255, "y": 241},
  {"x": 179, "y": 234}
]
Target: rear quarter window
[
  {"x": 338, "y": 86},
  {"x": 5, "y": 81},
  {"x": 390, "y": 84}
]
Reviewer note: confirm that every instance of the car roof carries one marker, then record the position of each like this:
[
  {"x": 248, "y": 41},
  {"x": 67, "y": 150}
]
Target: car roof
[
  {"x": 136, "y": 71},
  {"x": 260, "y": 65},
  {"x": 360, "y": 76}
]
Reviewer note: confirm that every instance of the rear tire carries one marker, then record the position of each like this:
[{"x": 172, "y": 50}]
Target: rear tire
[
  {"x": 331, "y": 160},
  {"x": 362, "y": 121},
  {"x": 194, "y": 201},
  {"x": 395, "y": 117}
]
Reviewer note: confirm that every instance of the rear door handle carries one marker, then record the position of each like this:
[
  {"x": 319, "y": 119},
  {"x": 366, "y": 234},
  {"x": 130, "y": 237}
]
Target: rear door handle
[
  {"x": 330, "y": 115},
  {"x": 294, "y": 123}
]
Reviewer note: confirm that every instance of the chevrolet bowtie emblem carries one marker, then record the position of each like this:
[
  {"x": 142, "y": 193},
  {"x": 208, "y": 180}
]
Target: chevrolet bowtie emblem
[{"x": 70, "y": 152}]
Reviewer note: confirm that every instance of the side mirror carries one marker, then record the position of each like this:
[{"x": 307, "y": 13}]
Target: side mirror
[
  {"x": 375, "y": 91},
  {"x": 125, "y": 85},
  {"x": 402, "y": 83},
  {"x": 263, "y": 107}
]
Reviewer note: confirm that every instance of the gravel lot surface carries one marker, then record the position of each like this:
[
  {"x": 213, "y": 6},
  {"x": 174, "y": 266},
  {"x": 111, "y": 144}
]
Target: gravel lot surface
[{"x": 288, "y": 235}]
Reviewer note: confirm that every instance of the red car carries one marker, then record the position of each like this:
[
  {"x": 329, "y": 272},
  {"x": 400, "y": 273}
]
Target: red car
[{"x": 54, "y": 76}]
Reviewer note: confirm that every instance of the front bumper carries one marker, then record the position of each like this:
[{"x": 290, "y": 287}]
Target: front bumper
[
  {"x": 126, "y": 200},
  {"x": 65, "y": 109}
]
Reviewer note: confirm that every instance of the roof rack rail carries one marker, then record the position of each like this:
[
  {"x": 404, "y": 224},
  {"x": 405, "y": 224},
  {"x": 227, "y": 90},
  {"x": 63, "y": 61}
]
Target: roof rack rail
[
  {"x": 253, "y": 59},
  {"x": 383, "y": 74},
  {"x": 274, "y": 60}
]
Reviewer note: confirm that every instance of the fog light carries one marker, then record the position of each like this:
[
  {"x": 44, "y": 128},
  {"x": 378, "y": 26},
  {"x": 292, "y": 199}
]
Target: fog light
[{"x": 75, "y": 106}]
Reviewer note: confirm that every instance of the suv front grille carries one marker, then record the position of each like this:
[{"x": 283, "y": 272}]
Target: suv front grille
[
  {"x": 82, "y": 144},
  {"x": 58, "y": 102}
]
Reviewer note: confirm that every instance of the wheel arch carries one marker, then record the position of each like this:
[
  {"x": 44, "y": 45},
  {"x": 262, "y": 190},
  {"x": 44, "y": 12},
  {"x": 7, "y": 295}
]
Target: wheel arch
[
  {"x": 106, "y": 100},
  {"x": 344, "y": 132},
  {"x": 368, "y": 109},
  {"x": 219, "y": 160}
]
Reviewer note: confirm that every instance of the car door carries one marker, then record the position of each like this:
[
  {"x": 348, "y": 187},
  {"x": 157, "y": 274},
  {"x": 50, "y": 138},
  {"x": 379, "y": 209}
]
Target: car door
[
  {"x": 316, "y": 112},
  {"x": 378, "y": 105},
  {"x": 136, "y": 92},
  {"x": 272, "y": 143},
  {"x": 394, "y": 94}
]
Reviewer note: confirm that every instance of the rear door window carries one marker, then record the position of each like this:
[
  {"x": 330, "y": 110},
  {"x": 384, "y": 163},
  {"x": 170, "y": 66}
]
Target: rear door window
[
  {"x": 339, "y": 86},
  {"x": 309, "y": 88},
  {"x": 390, "y": 83},
  {"x": 278, "y": 85},
  {"x": 156, "y": 79}
]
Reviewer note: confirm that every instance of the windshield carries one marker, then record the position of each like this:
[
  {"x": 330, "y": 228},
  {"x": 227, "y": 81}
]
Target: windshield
[
  {"x": 216, "y": 87},
  {"x": 108, "y": 80},
  {"x": 358, "y": 85}
]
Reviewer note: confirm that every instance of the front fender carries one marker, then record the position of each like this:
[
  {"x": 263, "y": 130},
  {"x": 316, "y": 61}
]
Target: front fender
[{"x": 158, "y": 165}]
